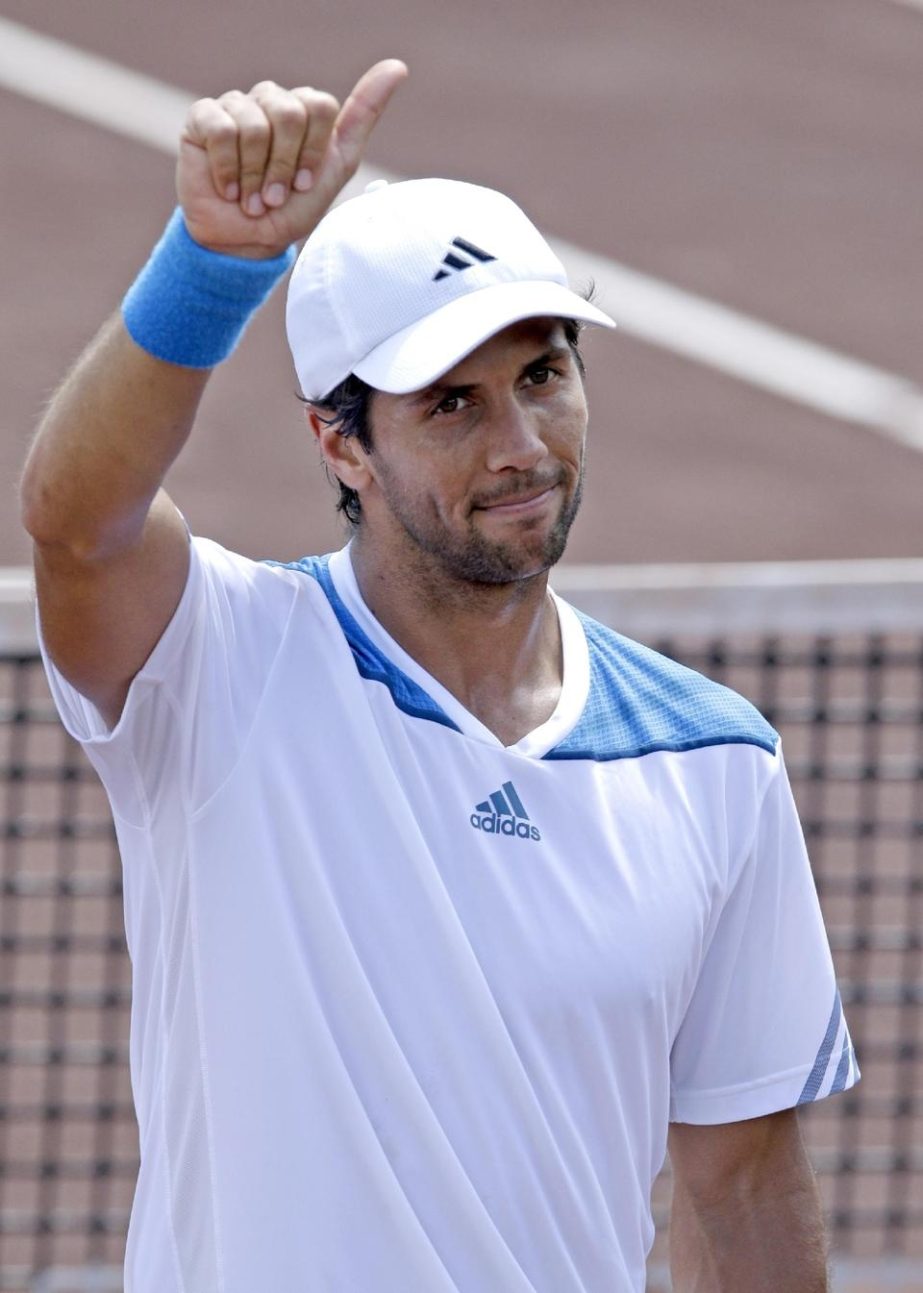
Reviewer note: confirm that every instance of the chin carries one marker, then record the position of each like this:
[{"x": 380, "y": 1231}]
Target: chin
[
  {"x": 470, "y": 554},
  {"x": 491, "y": 561}
]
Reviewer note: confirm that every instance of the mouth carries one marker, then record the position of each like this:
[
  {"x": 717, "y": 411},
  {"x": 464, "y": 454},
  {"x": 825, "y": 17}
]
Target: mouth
[{"x": 520, "y": 504}]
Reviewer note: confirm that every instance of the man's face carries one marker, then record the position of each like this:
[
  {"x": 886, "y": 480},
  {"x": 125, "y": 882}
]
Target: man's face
[{"x": 478, "y": 477}]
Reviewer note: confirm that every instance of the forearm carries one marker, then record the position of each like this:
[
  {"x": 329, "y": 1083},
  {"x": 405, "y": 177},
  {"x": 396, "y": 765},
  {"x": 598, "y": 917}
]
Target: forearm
[
  {"x": 105, "y": 444},
  {"x": 764, "y": 1241},
  {"x": 125, "y": 412}
]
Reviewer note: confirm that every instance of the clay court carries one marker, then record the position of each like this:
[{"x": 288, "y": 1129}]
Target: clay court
[
  {"x": 763, "y": 157},
  {"x": 744, "y": 184}
]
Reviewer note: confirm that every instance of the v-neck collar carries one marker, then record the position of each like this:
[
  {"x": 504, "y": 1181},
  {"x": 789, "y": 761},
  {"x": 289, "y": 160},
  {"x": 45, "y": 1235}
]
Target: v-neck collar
[{"x": 574, "y": 688}]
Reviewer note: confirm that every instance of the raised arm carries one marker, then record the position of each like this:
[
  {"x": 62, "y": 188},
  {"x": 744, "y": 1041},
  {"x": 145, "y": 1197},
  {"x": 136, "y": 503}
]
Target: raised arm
[{"x": 256, "y": 172}]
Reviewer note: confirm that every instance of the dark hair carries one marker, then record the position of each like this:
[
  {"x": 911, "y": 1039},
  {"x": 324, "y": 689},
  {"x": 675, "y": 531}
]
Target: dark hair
[{"x": 346, "y": 409}]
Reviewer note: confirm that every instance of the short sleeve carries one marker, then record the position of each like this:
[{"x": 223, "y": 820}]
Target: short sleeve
[
  {"x": 764, "y": 1029},
  {"x": 190, "y": 706}
]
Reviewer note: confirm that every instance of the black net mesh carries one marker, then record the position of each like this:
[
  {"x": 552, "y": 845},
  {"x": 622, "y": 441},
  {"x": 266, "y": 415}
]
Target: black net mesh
[
  {"x": 851, "y": 714},
  {"x": 68, "y": 1146},
  {"x": 850, "y": 711}
]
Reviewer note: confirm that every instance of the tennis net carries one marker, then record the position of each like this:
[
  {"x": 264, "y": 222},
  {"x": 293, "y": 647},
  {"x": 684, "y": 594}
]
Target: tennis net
[{"x": 832, "y": 653}]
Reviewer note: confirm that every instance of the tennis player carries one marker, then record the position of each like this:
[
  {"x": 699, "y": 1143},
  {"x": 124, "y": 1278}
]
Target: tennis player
[{"x": 447, "y": 906}]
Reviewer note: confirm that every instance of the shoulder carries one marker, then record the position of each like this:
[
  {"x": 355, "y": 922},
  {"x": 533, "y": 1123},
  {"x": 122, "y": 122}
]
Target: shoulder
[
  {"x": 251, "y": 605},
  {"x": 641, "y": 702},
  {"x": 262, "y": 581}
]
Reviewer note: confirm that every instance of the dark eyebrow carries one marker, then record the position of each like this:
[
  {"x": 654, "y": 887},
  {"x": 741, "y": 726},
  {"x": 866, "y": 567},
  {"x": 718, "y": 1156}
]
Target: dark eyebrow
[
  {"x": 439, "y": 391},
  {"x": 442, "y": 390},
  {"x": 552, "y": 356}
]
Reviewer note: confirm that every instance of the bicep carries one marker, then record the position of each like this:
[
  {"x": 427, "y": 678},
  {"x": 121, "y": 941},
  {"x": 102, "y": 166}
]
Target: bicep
[{"x": 102, "y": 618}]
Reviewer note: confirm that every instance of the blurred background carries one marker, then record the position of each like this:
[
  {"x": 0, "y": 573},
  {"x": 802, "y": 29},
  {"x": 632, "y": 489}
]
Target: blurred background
[{"x": 743, "y": 183}]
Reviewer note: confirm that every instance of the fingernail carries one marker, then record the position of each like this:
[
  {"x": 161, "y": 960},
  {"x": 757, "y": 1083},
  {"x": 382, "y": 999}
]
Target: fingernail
[
  {"x": 303, "y": 180},
  {"x": 232, "y": 192},
  {"x": 275, "y": 195},
  {"x": 254, "y": 205}
]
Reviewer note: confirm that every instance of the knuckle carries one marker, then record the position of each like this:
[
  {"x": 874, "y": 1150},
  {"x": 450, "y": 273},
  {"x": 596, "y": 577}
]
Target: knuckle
[
  {"x": 201, "y": 118},
  {"x": 327, "y": 105},
  {"x": 318, "y": 102},
  {"x": 202, "y": 107},
  {"x": 222, "y": 132},
  {"x": 255, "y": 133},
  {"x": 289, "y": 115}
]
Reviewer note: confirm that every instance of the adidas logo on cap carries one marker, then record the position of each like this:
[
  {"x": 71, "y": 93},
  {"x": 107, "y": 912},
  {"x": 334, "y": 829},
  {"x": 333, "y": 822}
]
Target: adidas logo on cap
[
  {"x": 502, "y": 813},
  {"x": 453, "y": 263},
  {"x": 399, "y": 284}
]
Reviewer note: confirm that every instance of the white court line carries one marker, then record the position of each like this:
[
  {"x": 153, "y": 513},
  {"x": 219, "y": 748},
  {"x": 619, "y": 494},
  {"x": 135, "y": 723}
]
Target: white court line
[
  {"x": 837, "y": 385},
  {"x": 93, "y": 88}
]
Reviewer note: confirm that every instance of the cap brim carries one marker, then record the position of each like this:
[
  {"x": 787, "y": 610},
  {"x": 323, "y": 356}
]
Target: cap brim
[{"x": 424, "y": 351}]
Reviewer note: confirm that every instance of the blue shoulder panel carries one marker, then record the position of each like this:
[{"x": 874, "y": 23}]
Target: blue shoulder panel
[
  {"x": 641, "y": 702},
  {"x": 370, "y": 662}
]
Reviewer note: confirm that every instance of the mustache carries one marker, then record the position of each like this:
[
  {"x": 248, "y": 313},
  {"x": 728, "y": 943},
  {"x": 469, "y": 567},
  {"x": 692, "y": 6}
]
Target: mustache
[{"x": 526, "y": 485}]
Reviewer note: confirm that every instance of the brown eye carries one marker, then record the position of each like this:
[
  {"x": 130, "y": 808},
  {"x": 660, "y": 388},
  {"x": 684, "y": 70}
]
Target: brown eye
[{"x": 451, "y": 404}]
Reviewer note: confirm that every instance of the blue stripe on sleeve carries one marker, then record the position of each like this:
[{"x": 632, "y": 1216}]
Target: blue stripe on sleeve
[
  {"x": 816, "y": 1076},
  {"x": 842, "y": 1073}
]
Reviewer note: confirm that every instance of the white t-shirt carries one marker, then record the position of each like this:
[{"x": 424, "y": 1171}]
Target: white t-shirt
[{"x": 412, "y": 1010}]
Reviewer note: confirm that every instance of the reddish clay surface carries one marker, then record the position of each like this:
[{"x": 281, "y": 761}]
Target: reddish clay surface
[{"x": 766, "y": 156}]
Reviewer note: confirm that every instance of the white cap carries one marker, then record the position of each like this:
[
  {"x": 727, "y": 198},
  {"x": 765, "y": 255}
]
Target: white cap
[{"x": 398, "y": 285}]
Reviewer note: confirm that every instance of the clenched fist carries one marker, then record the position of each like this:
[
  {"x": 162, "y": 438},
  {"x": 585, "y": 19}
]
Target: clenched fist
[{"x": 258, "y": 171}]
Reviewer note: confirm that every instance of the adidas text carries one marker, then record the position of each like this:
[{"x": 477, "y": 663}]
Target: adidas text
[{"x": 493, "y": 824}]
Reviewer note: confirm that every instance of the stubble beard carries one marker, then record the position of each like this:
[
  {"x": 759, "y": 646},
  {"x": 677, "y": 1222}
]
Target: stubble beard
[{"x": 478, "y": 560}]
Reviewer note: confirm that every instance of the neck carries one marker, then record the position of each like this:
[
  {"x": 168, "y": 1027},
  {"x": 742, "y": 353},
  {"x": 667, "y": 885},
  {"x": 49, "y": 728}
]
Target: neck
[{"x": 495, "y": 647}]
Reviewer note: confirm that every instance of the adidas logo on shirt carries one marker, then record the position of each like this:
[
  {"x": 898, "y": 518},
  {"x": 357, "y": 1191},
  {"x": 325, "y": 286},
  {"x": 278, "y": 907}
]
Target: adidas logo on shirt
[{"x": 502, "y": 813}]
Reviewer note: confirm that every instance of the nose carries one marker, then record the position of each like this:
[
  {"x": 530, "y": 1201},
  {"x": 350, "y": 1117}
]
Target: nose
[{"x": 514, "y": 439}]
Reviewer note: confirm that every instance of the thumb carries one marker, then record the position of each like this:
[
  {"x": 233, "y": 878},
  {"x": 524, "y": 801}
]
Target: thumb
[{"x": 360, "y": 113}]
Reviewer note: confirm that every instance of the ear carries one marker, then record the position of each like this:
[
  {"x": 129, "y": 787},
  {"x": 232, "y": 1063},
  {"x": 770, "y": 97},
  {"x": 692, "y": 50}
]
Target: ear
[{"x": 343, "y": 455}]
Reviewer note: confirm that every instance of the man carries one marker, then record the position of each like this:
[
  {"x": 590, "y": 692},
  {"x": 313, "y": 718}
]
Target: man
[{"x": 443, "y": 901}]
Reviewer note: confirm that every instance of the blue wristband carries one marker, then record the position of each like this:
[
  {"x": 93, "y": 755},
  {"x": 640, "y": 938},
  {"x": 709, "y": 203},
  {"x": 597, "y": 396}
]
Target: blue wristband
[{"x": 190, "y": 305}]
